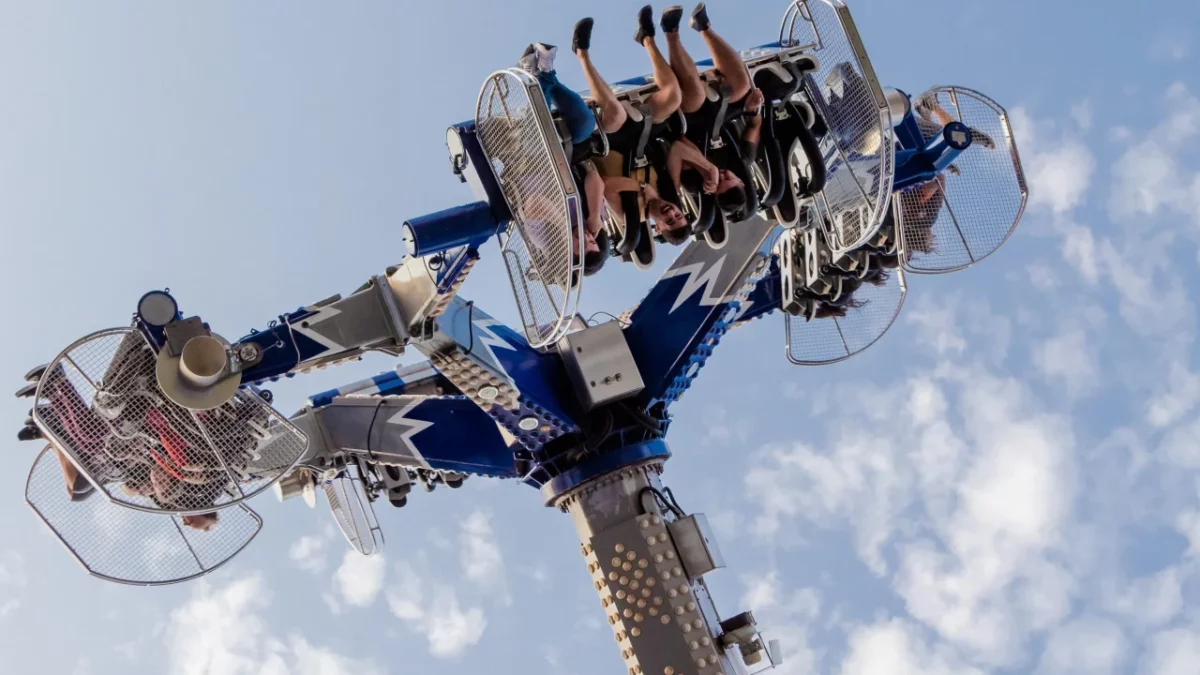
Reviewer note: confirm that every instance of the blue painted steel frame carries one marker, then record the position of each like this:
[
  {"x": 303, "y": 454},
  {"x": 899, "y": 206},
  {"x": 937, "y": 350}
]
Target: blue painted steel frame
[{"x": 671, "y": 334}]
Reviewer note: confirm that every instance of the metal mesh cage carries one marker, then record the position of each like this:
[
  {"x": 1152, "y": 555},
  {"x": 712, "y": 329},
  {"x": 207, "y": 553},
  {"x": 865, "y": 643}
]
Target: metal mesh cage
[
  {"x": 543, "y": 252},
  {"x": 100, "y": 403},
  {"x": 354, "y": 513},
  {"x": 821, "y": 342},
  {"x": 858, "y": 146},
  {"x": 131, "y": 547},
  {"x": 970, "y": 210}
]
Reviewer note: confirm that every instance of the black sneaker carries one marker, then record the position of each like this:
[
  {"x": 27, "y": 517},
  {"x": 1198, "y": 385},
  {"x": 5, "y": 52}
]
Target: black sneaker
[
  {"x": 29, "y": 433},
  {"x": 582, "y": 39},
  {"x": 700, "y": 20},
  {"x": 671, "y": 17},
  {"x": 645, "y": 25}
]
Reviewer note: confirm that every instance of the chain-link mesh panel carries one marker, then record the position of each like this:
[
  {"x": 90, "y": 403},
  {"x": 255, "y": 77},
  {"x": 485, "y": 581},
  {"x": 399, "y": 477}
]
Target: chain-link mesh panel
[
  {"x": 100, "y": 403},
  {"x": 858, "y": 146},
  {"x": 543, "y": 252},
  {"x": 820, "y": 342},
  {"x": 354, "y": 513},
  {"x": 970, "y": 210},
  {"x": 132, "y": 547}
]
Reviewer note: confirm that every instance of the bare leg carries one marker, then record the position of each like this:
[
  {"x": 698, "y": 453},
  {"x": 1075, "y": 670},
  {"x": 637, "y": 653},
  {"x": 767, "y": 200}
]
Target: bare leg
[
  {"x": 593, "y": 190},
  {"x": 729, "y": 63},
  {"x": 691, "y": 86},
  {"x": 665, "y": 101},
  {"x": 612, "y": 113}
]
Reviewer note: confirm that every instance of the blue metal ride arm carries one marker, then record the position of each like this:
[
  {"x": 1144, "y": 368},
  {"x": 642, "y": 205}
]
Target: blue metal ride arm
[
  {"x": 676, "y": 327},
  {"x": 765, "y": 298},
  {"x": 439, "y": 433},
  {"x": 381, "y": 315},
  {"x": 525, "y": 391}
]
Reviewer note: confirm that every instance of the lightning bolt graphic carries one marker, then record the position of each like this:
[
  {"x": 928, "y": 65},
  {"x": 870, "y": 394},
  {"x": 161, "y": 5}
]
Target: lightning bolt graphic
[
  {"x": 698, "y": 278},
  {"x": 324, "y": 314},
  {"x": 487, "y": 337},
  {"x": 411, "y": 428}
]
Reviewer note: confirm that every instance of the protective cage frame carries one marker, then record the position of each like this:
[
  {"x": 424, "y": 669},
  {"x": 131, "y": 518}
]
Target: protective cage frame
[
  {"x": 72, "y": 522},
  {"x": 1004, "y": 173},
  {"x": 356, "y": 517},
  {"x": 272, "y": 431},
  {"x": 848, "y": 219},
  {"x": 537, "y": 258},
  {"x": 795, "y": 329}
]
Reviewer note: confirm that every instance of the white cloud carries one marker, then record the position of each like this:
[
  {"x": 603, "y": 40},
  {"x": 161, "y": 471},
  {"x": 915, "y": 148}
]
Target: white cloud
[
  {"x": 963, "y": 477},
  {"x": 221, "y": 631},
  {"x": 1058, "y": 168},
  {"x": 1070, "y": 358},
  {"x": 1089, "y": 646},
  {"x": 1149, "y": 602},
  {"x": 1172, "y": 652},
  {"x": 1082, "y": 114},
  {"x": 12, "y": 570},
  {"x": 8, "y": 607},
  {"x": 359, "y": 579},
  {"x": 1149, "y": 177},
  {"x": 308, "y": 552},
  {"x": 897, "y": 647},
  {"x": 1171, "y": 45},
  {"x": 936, "y": 326},
  {"x": 786, "y": 617},
  {"x": 432, "y": 610},
  {"x": 1188, "y": 524},
  {"x": 1179, "y": 447},
  {"x": 1181, "y": 397},
  {"x": 480, "y": 554}
]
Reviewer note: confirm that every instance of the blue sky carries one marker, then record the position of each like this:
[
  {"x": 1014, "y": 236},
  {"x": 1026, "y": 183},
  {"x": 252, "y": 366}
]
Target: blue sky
[{"x": 1007, "y": 483}]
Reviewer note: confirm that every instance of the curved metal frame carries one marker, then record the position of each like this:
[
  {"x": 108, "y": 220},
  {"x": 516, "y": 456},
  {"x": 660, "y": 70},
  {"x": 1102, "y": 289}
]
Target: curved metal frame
[
  {"x": 79, "y": 558},
  {"x": 338, "y": 491},
  {"x": 540, "y": 331},
  {"x": 1019, "y": 174},
  {"x": 840, "y": 161},
  {"x": 64, "y": 360},
  {"x": 897, "y": 279}
]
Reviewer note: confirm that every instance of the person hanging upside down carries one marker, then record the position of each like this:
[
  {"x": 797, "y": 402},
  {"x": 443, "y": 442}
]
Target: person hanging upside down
[{"x": 741, "y": 97}]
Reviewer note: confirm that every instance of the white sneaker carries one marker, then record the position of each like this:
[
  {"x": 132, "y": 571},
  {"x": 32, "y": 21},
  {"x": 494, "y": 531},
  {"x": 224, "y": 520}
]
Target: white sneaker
[
  {"x": 545, "y": 56},
  {"x": 529, "y": 61}
]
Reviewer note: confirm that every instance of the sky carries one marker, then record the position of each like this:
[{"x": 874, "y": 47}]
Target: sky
[{"x": 1008, "y": 482}]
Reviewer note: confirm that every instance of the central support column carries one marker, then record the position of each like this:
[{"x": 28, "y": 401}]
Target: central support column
[{"x": 646, "y": 562}]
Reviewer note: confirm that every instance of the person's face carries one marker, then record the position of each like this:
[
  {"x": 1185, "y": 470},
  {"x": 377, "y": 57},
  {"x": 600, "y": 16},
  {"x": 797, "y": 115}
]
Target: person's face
[
  {"x": 589, "y": 242},
  {"x": 728, "y": 181},
  {"x": 668, "y": 217}
]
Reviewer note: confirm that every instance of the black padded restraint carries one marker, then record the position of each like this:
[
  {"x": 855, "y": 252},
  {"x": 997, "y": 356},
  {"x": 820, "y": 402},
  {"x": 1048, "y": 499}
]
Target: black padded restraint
[
  {"x": 647, "y": 126},
  {"x": 722, "y": 109}
]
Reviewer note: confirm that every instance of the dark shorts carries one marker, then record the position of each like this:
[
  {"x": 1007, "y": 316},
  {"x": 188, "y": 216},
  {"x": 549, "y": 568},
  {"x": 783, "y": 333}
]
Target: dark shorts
[
  {"x": 700, "y": 122},
  {"x": 625, "y": 140}
]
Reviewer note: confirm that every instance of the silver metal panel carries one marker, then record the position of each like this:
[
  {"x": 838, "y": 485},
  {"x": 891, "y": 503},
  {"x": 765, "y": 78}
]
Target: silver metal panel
[
  {"x": 819, "y": 342},
  {"x": 99, "y": 402},
  {"x": 600, "y": 365},
  {"x": 970, "y": 211},
  {"x": 696, "y": 544},
  {"x": 544, "y": 252},
  {"x": 657, "y": 620},
  {"x": 858, "y": 148},
  {"x": 131, "y": 547}
]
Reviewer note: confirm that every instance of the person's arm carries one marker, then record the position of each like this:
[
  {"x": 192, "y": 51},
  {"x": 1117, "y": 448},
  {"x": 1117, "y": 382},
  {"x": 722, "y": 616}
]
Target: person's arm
[
  {"x": 689, "y": 155},
  {"x": 622, "y": 196},
  {"x": 751, "y": 138},
  {"x": 593, "y": 193}
]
